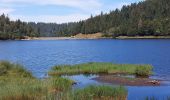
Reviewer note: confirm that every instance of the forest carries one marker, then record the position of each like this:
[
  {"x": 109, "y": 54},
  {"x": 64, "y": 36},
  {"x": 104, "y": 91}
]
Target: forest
[{"x": 146, "y": 18}]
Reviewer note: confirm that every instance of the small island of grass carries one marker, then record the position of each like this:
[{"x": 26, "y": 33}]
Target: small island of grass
[
  {"x": 16, "y": 83},
  {"x": 102, "y": 68},
  {"x": 110, "y": 73}
]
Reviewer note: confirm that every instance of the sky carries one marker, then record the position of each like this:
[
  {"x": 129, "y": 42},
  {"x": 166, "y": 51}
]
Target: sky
[{"x": 58, "y": 11}]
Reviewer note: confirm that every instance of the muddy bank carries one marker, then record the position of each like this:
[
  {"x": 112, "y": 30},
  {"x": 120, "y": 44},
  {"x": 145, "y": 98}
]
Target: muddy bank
[{"x": 119, "y": 80}]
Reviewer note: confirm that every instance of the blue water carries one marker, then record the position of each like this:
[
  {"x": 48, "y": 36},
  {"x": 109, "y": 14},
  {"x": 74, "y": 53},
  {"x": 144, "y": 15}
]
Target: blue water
[{"x": 40, "y": 56}]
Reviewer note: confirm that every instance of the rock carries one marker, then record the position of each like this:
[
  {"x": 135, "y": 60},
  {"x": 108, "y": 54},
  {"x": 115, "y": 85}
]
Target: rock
[{"x": 155, "y": 82}]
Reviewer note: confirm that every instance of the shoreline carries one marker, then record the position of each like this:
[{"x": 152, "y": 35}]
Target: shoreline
[
  {"x": 62, "y": 38},
  {"x": 76, "y": 38},
  {"x": 92, "y": 37},
  {"x": 143, "y": 37},
  {"x": 95, "y": 36}
]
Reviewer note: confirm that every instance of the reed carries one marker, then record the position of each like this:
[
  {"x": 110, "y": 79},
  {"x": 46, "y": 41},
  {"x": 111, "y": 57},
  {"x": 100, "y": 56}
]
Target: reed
[
  {"x": 13, "y": 70},
  {"x": 101, "y": 93},
  {"x": 16, "y": 83},
  {"x": 102, "y": 68}
]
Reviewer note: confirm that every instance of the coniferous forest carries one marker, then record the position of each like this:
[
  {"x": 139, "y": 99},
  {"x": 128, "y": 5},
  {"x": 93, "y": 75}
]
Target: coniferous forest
[{"x": 147, "y": 18}]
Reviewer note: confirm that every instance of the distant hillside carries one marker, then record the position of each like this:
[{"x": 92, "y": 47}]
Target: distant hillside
[
  {"x": 151, "y": 17},
  {"x": 147, "y": 18},
  {"x": 15, "y": 29}
]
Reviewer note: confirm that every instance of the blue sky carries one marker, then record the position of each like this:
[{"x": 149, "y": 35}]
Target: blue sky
[{"x": 59, "y": 11}]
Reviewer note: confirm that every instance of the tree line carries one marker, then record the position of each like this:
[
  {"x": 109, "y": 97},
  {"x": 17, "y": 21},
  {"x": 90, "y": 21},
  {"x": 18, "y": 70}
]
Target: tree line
[
  {"x": 15, "y": 29},
  {"x": 149, "y": 17}
]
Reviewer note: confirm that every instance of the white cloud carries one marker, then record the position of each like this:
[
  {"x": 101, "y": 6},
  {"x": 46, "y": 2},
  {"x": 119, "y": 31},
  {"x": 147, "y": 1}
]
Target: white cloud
[
  {"x": 6, "y": 10},
  {"x": 51, "y": 18},
  {"x": 82, "y": 4},
  {"x": 84, "y": 9}
]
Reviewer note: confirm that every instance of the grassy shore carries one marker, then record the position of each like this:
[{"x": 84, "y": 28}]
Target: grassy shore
[
  {"x": 102, "y": 68},
  {"x": 101, "y": 93},
  {"x": 16, "y": 83}
]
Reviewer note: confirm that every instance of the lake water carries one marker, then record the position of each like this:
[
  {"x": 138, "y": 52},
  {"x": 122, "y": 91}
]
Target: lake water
[{"x": 39, "y": 56}]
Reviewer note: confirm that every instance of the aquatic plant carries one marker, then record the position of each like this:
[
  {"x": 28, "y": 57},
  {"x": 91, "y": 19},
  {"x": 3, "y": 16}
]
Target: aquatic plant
[
  {"x": 12, "y": 70},
  {"x": 143, "y": 71},
  {"x": 33, "y": 89},
  {"x": 101, "y": 93},
  {"x": 101, "y": 68},
  {"x": 16, "y": 83},
  {"x": 154, "y": 98}
]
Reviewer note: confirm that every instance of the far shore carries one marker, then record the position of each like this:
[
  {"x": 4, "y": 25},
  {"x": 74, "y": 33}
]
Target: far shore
[
  {"x": 143, "y": 37},
  {"x": 78, "y": 38},
  {"x": 59, "y": 38},
  {"x": 93, "y": 36}
]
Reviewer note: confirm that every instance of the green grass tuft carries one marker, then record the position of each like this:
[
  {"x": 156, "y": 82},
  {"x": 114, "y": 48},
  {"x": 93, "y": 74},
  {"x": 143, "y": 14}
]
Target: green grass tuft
[
  {"x": 102, "y": 68},
  {"x": 13, "y": 70},
  {"x": 16, "y": 83},
  {"x": 101, "y": 93},
  {"x": 143, "y": 71}
]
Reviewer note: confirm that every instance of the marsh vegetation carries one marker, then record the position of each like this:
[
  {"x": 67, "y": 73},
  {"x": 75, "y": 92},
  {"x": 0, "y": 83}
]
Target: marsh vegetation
[
  {"x": 16, "y": 83},
  {"x": 102, "y": 68}
]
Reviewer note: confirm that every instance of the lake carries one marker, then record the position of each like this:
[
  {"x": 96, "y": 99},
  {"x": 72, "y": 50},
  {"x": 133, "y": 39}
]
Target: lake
[{"x": 39, "y": 56}]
